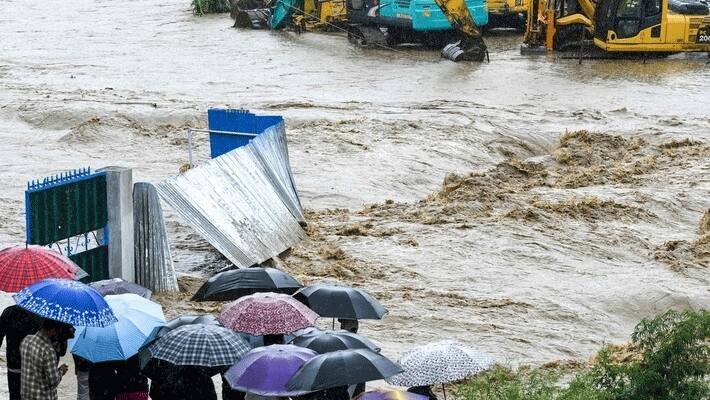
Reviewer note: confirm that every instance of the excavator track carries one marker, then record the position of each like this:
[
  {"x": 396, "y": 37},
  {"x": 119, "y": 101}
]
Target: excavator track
[
  {"x": 254, "y": 19},
  {"x": 367, "y": 36}
]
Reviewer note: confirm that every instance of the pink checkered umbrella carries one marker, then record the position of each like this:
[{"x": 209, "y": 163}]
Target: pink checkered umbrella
[{"x": 267, "y": 314}]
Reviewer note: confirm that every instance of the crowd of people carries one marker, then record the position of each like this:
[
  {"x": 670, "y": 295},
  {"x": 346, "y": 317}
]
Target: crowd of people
[{"x": 35, "y": 346}]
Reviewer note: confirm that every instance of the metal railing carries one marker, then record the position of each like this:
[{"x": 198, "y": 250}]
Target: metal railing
[{"x": 190, "y": 139}]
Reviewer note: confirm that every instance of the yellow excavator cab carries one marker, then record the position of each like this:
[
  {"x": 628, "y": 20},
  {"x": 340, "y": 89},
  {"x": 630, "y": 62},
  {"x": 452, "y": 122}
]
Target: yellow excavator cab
[
  {"x": 321, "y": 15},
  {"x": 507, "y": 13},
  {"x": 619, "y": 26}
]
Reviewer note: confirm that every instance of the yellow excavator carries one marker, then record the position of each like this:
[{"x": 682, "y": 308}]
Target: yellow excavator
[
  {"x": 452, "y": 24},
  {"x": 507, "y": 14},
  {"x": 618, "y": 27},
  {"x": 321, "y": 15}
]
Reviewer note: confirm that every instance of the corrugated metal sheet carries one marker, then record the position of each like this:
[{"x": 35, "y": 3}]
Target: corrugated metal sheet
[
  {"x": 272, "y": 150},
  {"x": 244, "y": 203},
  {"x": 153, "y": 261}
]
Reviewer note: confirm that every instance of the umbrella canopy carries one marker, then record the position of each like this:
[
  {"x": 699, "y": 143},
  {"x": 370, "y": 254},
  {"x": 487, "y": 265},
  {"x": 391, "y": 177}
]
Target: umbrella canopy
[
  {"x": 266, "y": 371},
  {"x": 138, "y": 322},
  {"x": 233, "y": 284},
  {"x": 440, "y": 362},
  {"x": 340, "y": 302},
  {"x": 205, "y": 319},
  {"x": 66, "y": 301},
  {"x": 266, "y": 314},
  {"x": 390, "y": 395},
  {"x": 119, "y": 286},
  {"x": 22, "y": 266},
  {"x": 200, "y": 345},
  {"x": 342, "y": 368},
  {"x": 327, "y": 341}
]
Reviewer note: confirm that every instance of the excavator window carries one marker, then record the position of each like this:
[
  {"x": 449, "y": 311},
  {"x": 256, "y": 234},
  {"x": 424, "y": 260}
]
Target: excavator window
[
  {"x": 653, "y": 7},
  {"x": 628, "y": 18}
]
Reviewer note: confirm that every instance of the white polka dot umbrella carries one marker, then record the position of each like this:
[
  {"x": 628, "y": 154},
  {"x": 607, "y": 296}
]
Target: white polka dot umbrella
[{"x": 440, "y": 362}]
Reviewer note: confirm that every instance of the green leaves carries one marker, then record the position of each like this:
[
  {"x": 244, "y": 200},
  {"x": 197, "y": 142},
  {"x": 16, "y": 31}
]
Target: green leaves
[
  {"x": 673, "y": 364},
  {"x": 202, "y": 7}
]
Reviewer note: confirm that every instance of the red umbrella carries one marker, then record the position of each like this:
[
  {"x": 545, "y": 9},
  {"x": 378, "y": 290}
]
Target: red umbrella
[
  {"x": 267, "y": 314},
  {"x": 22, "y": 266}
]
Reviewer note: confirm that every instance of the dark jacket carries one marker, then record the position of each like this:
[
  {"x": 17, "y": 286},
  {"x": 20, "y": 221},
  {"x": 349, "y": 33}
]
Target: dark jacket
[
  {"x": 129, "y": 377},
  {"x": 184, "y": 383},
  {"x": 229, "y": 394},
  {"x": 15, "y": 324},
  {"x": 422, "y": 390},
  {"x": 103, "y": 382}
]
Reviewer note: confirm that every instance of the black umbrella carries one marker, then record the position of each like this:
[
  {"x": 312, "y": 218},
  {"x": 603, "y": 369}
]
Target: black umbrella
[
  {"x": 327, "y": 341},
  {"x": 340, "y": 302},
  {"x": 342, "y": 368},
  {"x": 233, "y": 284},
  {"x": 204, "y": 319}
]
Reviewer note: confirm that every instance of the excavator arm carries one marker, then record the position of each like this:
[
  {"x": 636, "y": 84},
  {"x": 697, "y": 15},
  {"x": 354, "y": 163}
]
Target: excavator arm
[{"x": 469, "y": 46}]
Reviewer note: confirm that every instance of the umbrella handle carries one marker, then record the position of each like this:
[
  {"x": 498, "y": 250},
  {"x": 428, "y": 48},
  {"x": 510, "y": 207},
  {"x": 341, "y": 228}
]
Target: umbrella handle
[{"x": 443, "y": 388}]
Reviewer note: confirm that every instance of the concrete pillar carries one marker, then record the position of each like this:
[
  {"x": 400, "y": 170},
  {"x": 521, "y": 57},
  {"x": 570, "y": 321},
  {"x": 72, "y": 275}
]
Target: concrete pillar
[{"x": 119, "y": 193}]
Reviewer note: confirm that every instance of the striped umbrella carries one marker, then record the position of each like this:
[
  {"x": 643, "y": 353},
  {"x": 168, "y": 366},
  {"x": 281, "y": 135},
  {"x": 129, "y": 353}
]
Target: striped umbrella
[
  {"x": 266, "y": 314},
  {"x": 21, "y": 266},
  {"x": 200, "y": 345},
  {"x": 66, "y": 301}
]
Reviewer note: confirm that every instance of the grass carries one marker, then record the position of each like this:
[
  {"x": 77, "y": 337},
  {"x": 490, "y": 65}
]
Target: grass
[{"x": 202, "y": 7}]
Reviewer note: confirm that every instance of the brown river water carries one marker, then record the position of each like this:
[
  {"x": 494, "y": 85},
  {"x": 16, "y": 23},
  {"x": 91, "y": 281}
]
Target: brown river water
[{"x": 549, "y": 250}]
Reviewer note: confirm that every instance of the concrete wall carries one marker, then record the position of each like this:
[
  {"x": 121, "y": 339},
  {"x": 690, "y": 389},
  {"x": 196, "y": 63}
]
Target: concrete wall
[{"x": 119, "y": 192}]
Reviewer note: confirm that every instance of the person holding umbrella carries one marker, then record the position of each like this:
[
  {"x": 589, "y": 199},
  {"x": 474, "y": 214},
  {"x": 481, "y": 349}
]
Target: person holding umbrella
[
  {"x": 15, "y": 325},
  {"x": 183, "y": 360},
  {"x": 21, "y": 266},
  {"x": 40, "y": 374}
]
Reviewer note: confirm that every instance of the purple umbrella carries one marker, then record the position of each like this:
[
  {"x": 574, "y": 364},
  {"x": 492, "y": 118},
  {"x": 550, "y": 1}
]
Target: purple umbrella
[
  {"x": 390, "y": 395},
  {"x": 119, "y": 286},
  {"x": 266, "y": 371}
]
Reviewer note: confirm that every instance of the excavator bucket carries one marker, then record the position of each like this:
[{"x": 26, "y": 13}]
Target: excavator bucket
[
  {"x": 466, "y": 49},
  {"x": 469, "y": 46}
]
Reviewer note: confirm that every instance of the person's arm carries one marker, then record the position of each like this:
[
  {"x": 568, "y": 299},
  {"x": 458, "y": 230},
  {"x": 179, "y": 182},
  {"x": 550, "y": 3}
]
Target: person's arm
[
  {"x": 52, "y": 373},
  {"x": 3, "y": 325}
]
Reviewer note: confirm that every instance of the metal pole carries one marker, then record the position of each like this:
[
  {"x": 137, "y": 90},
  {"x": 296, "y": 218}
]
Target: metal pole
[
  {"x": 189, "y": 148},
  {"x": 581, "y": 46},
  {"x": 444, "y": 389}
]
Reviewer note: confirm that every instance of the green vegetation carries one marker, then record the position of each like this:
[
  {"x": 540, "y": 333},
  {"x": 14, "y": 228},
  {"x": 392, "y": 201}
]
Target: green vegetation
[
  {"x": 671, "y": 362},
  {"x": 202, "y": 7}
]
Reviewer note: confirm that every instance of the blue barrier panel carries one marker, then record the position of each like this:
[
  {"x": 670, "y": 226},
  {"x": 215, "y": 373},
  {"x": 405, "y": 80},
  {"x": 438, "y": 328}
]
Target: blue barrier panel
[{"x": 241, "y": 125}]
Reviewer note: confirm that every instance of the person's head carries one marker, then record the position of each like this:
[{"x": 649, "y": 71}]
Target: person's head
[
  {"x": 350, "y": 325},
  {"x": 56, "y": 330},
  {"x": 273, "y": 339}
]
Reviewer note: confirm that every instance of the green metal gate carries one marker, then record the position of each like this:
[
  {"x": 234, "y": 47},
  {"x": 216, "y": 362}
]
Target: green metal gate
[{"x": 70, "y": 211}]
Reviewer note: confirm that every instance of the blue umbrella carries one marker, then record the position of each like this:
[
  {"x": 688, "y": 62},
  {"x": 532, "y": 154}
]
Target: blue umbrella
[
  {"x": 66, "y": 301},
  {"x": 139, "y": 320}
]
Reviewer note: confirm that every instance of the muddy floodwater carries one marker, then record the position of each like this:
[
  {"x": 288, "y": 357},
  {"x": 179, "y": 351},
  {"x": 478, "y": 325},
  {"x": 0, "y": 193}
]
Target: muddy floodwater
[{"x": 450, "y": 191}]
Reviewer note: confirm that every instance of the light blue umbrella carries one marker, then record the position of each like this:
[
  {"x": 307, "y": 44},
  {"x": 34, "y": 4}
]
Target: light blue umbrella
[{"x": 139, "y": 320}]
